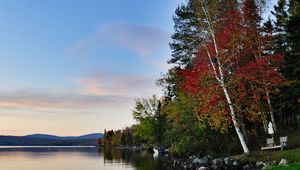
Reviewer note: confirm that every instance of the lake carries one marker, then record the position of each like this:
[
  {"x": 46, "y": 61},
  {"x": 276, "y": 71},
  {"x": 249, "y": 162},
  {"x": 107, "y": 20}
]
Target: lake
[{"x": 60, "y": 158}]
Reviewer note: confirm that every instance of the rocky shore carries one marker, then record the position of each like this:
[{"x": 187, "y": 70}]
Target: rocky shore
[{"x": 210, "y": 163}]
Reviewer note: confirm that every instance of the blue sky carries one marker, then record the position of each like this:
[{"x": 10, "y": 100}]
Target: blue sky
[{"x": 70, "y": 67}]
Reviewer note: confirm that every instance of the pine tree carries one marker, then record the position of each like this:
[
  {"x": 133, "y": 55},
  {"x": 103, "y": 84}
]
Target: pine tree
[
  {"x": 287, "y": 42},
  {"x": 281, "y": 15}
]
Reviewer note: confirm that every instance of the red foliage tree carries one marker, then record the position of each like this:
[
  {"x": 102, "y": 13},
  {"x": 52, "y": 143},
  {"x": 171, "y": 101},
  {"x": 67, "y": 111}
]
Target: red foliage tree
[{"x": 230, "y": 74}]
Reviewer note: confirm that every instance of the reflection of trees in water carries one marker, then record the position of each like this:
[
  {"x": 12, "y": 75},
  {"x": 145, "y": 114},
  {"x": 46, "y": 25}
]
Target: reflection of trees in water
[
  {"x": 48, "y": 152},
  {"x": 111, "y": 155},
  {"x": 141, "y": 160}
]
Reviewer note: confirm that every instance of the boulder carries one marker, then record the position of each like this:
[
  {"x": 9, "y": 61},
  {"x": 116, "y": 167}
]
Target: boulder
[
  {"x": 267, "y": 165},
  {"x": 236, "y": 165},
  {"x": 196, "y": 161},
  {"x": 217, "y": 164},
  {"x": 247, "y": 167},
  {"x": 204, "y": 161},
  {"x": 283, "y": 162},
  {"x": 208, "y": 158},
  {"x": 202, "y": 168},
  {"x": 228, "y": 162},
  {"x": 259, "y": 165}
]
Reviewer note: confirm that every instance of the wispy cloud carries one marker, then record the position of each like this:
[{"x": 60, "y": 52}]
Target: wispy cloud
[
  {"x": 97, "y": 91},
  {"x": 105, "y": 83},
  {"x": 29, "y": 99},
  {"x": 141, "y": 39}
]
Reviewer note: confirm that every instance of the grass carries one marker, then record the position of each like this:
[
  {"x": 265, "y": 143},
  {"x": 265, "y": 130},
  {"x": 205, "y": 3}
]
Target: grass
[
  {"x": 293, "y": 137},
  {"x": 293, "y": 166},
  {"x": 274, "y": 157},
  {"x": 291, "y": 154}
]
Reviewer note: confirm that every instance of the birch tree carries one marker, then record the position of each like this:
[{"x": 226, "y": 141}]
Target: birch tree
[{"x": 230, "y": 74}]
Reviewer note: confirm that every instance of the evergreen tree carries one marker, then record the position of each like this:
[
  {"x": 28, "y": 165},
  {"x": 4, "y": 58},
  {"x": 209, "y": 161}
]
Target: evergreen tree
[
  {"x": 186, "y": 38},
  {"x": 287, "y": 42},
  {"x": 281, "y": 15},
  {"x": 291, "y": 68}
]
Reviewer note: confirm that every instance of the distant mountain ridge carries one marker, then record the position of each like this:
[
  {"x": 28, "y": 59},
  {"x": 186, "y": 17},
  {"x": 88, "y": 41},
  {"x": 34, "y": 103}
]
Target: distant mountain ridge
[
  {"x": 46, "y": 136},
  {"x": 50, "y": 140}
]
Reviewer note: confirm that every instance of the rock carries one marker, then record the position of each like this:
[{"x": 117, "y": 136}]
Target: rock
[
  {"x": 208, "y": 158},
  {"x": 178, "y": 163},
  {"x": 175, "y": 163},
  {"x": 243, "y": 162},
  {"x": 217, "y": 164},
  {"x": 202, "y": 168},
  {"x": 283, "y": 162},
  {"x": 266, "y": 165},
  {"x": 191, "y": 166},
  {"x": 203, "y": 162},
  {"x": 235, "y": 163},
  {"x": 247, "y": 167},
  {"x": 259, "y": 165},
  {"x": 196, "y": 161},
  {"x": 192, "y": 157},
  {"x": 228, "y": 162}
]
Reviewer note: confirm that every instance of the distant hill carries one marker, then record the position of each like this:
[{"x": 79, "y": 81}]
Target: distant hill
[
  {"x": 50, "y": 140},
  {"x": 46, "y": 136}
]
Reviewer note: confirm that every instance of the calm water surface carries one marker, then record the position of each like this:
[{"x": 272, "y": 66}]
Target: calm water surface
[{"x": 77, "y": 159}]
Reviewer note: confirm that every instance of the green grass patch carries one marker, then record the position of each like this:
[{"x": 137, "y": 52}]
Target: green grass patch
[
  {"x": 294, "y": 166},
  {"x": 290, "y": 155}
]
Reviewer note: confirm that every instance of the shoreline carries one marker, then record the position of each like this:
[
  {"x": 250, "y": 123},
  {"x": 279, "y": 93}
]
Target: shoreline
[{"x": 16, "y": 147}]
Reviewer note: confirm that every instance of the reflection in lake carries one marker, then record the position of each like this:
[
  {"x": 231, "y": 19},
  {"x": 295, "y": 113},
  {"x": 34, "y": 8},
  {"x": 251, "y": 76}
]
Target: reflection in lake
[{"x": 77, "y": 159}]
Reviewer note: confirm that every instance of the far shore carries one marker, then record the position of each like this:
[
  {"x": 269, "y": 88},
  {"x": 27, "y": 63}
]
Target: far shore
[{"x": 13, "y": 147}]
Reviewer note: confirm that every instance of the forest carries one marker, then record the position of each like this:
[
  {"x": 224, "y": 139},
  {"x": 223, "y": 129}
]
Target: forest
[{"x": 232, "y": 71}]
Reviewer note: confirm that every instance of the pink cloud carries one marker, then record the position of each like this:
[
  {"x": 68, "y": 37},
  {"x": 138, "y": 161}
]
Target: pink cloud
[
  {"x": 117, "y": 84},
  {"x": 143, "y": 40},
  {"x": 30, "y": 99},
  {"x": 100, "y": 90}
]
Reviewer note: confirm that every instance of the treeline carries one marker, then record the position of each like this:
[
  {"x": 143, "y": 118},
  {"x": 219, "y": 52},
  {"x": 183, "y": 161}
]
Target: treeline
[
  {"x": 125, "y": 138},
  {"x": 232, "y": 73}
]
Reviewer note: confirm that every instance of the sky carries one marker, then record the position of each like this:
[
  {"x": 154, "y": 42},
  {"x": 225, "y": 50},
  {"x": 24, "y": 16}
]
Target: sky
[{"x": 71, "y": 67}]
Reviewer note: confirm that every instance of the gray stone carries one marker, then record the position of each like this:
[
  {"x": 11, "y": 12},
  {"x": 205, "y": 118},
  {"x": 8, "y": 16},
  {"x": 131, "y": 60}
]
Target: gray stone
[
  {"x": 203, "y": 162},
  {"x": 191, "y": 166},
  {"x": 235, "y": 163},
  {"x": 247, "y": 167},
  {"x": 202, "y": 168},
  {"x": 267, "y": 165},
  {"x": 228, "y": 162},
  {"x": 259, "y": 165},
  {"x": 208, "y": 158},
  {"x": 192, "y": 157},
  {"x": 196, "y": 161},
  {"x": 217, "y": 164},
  {"x": 283, "y": 162}
]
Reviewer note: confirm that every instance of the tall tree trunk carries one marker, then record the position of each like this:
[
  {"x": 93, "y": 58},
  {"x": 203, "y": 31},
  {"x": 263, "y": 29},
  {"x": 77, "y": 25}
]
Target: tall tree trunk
[
  {"x": 220, "y": 79},
  {"x": 235, "y": 123},
  {"x": 271, "y": 109},
  {"x": 241, "y": 120},
  {"x": 265, "y": 123},
  {"x": 217, "y": 68}
]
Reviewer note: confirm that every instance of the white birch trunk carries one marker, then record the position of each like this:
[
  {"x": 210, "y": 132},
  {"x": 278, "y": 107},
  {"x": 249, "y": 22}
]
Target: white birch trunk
[
  {"x": 271, "y": 110},
  {"x": 220, "y": 79},
  {"x": 233, "y": 117}
]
